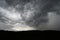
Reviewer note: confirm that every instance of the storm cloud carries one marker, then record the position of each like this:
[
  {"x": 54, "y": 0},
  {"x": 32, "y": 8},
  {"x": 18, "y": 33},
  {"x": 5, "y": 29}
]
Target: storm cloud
[{"x": 30, "y": 14}]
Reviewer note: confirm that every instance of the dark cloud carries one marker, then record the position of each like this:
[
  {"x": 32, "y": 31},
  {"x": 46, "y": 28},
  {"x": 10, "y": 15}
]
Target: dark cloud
[{"x": 33, "y": 12}]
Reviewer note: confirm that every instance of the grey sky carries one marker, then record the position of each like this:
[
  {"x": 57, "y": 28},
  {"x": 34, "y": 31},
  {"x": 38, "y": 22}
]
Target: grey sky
[
  {"x": 2, "y": 25},
  {"x": 53, "y": 22}
]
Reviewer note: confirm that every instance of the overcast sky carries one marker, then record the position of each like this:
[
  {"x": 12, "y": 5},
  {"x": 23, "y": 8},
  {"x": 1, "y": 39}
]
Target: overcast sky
[
  {"x": 54, "y": 20},
  {"x": 2, "y": 25}
]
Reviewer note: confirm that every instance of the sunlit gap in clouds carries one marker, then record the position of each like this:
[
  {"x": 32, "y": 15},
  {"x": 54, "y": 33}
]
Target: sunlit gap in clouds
[{"x": 15, "y": 19}]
